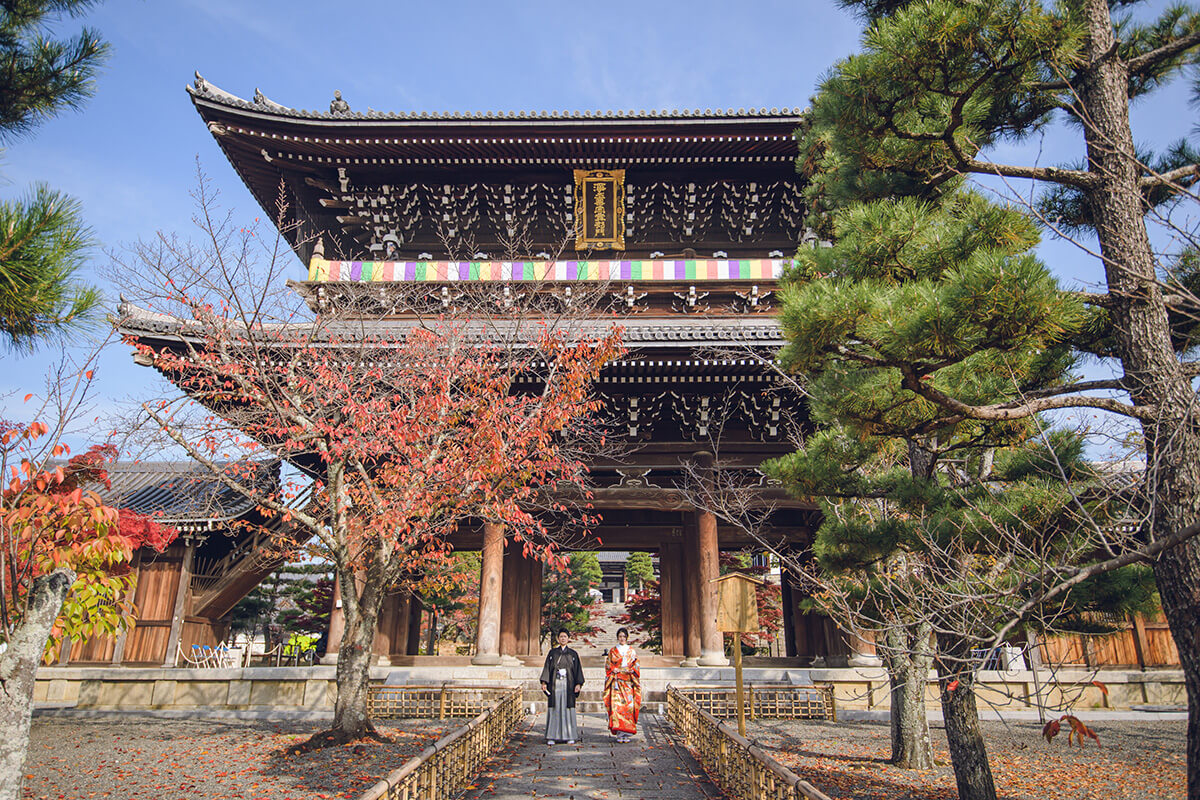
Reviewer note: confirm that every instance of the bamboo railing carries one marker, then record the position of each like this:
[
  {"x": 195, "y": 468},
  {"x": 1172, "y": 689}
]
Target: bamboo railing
[
  {"x": 446, "y": 769},
  {"x": 432, "y": 701},
  {"x": 742, "y": 770},
  {"x": 765, "y": 701}
]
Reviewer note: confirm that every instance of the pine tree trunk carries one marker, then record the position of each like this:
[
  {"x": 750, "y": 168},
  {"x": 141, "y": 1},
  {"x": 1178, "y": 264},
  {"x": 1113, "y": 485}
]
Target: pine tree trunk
[
  {"x": 18, "y": 669},
  {"x": 1152, "y": 371},
  {"x": 968, "y": 753},
  {"x": 908, "y": 657}
]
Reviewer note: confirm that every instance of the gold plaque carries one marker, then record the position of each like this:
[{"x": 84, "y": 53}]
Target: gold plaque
[{"x": 599, "y": 209}]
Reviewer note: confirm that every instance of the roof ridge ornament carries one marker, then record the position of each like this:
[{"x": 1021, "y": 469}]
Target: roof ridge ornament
[
  {"x": 338, "y": 105},
  {"x": 208, "y": 89}
]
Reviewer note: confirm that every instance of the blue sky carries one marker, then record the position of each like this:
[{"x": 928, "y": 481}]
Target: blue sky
[{"x": 130, "y": 155}]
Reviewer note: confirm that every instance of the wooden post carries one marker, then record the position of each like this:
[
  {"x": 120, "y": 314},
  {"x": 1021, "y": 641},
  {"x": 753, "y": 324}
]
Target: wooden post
[
  {"x": 737, "y": 612},
  {"x": 491, "y": 581},
  {"x": 737, "y": 671},
  {"x": 1139, "y": 639},
  {"x": 185, "y": 585}
]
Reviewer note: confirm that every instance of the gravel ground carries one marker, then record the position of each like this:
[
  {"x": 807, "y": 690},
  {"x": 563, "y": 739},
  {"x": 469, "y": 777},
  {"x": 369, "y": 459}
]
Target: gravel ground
[
  {"x": 847, "y": 761},
  {"x": 124, "y": 758}
]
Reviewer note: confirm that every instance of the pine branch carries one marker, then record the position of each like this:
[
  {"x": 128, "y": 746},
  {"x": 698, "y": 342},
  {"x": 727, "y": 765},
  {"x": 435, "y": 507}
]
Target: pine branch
[
  {"x": 1146, "y": 553},
  {"x": 1068, "y": 177},
  {"x": 1170, "y": 177},
  {"x": 1143, "y": 64},
  {"x": 1019, "y": 409}
]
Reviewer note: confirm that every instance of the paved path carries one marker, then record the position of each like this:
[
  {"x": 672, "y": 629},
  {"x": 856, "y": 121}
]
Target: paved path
[{"x": 651, "y": 767}]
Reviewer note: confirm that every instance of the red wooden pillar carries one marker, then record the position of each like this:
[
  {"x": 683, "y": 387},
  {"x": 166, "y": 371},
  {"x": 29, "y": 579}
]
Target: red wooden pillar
[{"x": 491, "y": 577}]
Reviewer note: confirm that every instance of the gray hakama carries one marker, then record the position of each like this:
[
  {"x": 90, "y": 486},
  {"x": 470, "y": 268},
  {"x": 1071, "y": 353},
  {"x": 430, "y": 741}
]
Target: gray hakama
[{"x": 561, "y": 722}]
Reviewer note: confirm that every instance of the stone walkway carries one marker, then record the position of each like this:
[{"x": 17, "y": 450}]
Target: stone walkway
[{"x": 652, "y": 766}]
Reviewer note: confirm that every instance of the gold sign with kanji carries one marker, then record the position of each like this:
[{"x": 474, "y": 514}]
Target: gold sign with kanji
[
  {"x": 599, "y": 209},
  {"x": 737, "y": 604}
]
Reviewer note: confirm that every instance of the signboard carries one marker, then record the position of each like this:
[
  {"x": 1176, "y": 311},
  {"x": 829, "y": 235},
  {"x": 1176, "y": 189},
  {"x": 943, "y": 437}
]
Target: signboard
[
  {"x": 737, "y": 606},
  {"x": 599, "y": 209}
]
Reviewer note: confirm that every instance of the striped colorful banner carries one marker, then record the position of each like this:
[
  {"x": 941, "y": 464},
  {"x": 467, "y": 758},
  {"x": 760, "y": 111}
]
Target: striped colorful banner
[{"x": 650, "y": 270}]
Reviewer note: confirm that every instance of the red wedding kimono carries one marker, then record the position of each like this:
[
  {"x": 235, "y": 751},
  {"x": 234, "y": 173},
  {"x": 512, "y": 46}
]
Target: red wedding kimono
[{"x": 622, "y": 690}]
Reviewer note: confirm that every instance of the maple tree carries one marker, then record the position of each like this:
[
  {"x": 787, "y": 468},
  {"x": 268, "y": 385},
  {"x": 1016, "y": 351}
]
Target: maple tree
[
  {"x": 64, "y": 568},
  {"x": 407, "y": 430},
  {"x": 643, "y": 611}
]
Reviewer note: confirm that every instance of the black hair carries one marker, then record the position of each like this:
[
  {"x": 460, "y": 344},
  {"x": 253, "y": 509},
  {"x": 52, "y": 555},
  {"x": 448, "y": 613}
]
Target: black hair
[
  {"x": 561, "y": 631},
  {"x": 624, "y": 631}
]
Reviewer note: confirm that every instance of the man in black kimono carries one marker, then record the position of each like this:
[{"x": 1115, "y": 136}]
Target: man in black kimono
[{"x": 562, "y": 678}]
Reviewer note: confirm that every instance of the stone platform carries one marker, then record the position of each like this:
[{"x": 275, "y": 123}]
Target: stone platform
[{"x": 313, "y": 689}]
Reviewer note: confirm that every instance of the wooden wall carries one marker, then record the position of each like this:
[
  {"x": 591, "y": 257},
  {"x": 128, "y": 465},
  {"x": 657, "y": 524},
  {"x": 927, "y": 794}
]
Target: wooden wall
[{"x": 1118, "y": 649}]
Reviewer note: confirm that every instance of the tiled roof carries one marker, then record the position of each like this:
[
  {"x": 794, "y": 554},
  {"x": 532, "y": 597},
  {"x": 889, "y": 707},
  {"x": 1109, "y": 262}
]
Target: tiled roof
[
  {"x": 203, "y": 89},
  {"x": 181, "y": 491}
]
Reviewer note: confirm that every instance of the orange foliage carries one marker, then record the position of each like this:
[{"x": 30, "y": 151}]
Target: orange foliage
[{"x": 48, "y": 520}]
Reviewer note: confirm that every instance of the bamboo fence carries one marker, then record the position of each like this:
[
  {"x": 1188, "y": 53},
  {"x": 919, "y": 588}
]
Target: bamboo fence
[
  {"x": 765, "y": 701},
  {"x": 742, "y": 770},
  {"x": 446, "y": 769},
  {"x": 432, "y": 701}
]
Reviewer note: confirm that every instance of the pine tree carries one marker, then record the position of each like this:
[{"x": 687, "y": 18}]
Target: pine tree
[
  {"x": 639, "y": 568},
  {"x": 567, "y": 595},
  {"x": 937, "y": 86},
  {"x": 43, "y": 240},
  {"x": 936, "y": 522}
]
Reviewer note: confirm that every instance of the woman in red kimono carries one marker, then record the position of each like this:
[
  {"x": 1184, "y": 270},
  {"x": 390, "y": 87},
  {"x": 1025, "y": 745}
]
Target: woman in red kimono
[{"x": 622, "y": 688}]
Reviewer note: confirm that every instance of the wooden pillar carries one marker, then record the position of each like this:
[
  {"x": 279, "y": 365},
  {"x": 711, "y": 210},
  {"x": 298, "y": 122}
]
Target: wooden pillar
[
  {"x": 691, "y": 594},
  {"x": 413, "y": 640},
  {"x": 337, "y": 625},
  {"x": 521, "y": 605},
  {"x": 670, "y": 589},
  {"x": 386, "y": 638},
  {"x": 862, "y": 649},
  {"x": 789, "y": 614},
  {"x": 1139, "y": 639},
  {"x": 181, "y": 597},
  {"x": 511, "y": 595},
  {"x": 491, "y": 577},
  {"x": 712, "y": 650}
]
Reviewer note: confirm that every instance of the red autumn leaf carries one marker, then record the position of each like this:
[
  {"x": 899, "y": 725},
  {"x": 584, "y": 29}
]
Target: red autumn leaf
[
  {"x": 1051, "y": 729},
  {"x": 952, "y": 685},
  {"x": 1100, "y": 685}
]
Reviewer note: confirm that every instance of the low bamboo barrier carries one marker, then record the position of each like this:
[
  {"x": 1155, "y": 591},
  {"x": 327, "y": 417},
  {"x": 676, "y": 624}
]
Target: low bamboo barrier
[
  {"x": 446, "y": 769},
  {"x": 432, "y": 701},
  {"x": 742, "y": 770},
  {"x": 765, "y": 701}
]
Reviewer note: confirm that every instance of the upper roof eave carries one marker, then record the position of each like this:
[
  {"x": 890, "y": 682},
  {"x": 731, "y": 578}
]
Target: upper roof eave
[{"x": 205, "y": 94}]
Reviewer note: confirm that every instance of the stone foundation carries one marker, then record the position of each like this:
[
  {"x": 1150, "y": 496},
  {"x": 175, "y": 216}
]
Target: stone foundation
[{"x": 314, "y": 688}]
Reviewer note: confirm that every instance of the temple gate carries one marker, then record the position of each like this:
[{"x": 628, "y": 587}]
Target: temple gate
[{"x": 682, "y": 219}]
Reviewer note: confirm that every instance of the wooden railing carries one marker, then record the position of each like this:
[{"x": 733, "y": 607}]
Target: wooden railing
[
  {"x": 446, "y": 769},
  {"x": 765, "y": 701},
  {"x": 742, "y": 770}
]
